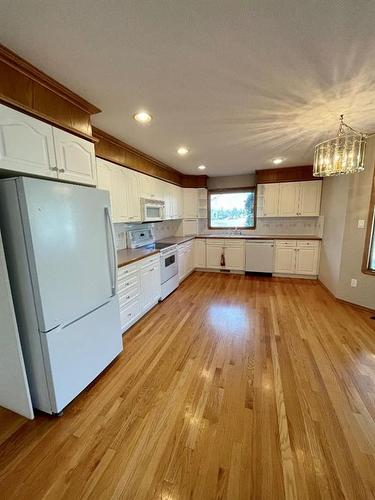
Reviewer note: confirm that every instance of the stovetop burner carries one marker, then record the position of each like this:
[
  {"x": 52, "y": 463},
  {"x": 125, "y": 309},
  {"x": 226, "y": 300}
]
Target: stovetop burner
[{"x": 159, "y": 246}]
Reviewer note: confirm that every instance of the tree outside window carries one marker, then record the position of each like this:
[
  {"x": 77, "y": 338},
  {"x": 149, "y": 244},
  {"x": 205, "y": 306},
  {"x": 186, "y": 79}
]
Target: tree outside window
[{"x": 232, "y": 208}]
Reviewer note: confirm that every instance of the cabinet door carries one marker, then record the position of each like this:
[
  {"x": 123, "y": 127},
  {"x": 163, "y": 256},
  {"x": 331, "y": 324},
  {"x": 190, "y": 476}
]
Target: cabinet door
[
  {"x": 213, "y": 256},
  {"x": 289, "y": 196},
  {"x": 271, "y": 200},
  {"x": 133, "y": 196},
  {"x": 235, "y": 257},
  {"x": 309, "y": 201},
  {"x": 150, "y": 286},
  {"x": 104, "y": 177},
  {"x": 119, "y": 194},
  {"x": 200, "y": 253},
  {"x": 168, "y": 200},
  {"x": 190, "y": 257},
  {"x": 190, "y": 203},
  {"x": 75, "y": 158},
  {"x": 307, "y": 260},
  {"x": 285, "y": 258},
  {"x": 181, "y": 263},
  {"x": 180, "y": 204},
  {"x": 26, "y": 144}
]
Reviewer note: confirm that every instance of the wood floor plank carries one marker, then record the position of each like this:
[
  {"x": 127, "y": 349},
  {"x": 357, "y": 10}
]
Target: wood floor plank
[{"x": 234, "y": 387}]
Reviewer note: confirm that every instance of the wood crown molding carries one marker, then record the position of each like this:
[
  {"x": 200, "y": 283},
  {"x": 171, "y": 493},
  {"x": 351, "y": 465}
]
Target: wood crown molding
[
  {"x": 112, "y": 149},
  {"x": 25, "y": 87},
  {"x": 286, "y": 174}
]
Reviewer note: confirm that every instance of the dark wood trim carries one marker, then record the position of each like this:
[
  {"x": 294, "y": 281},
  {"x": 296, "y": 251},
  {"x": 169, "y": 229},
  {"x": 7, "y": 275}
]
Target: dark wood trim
[
  {"x": 41, "y": 116},
  {"x": 112, "y": 149},
  {"x": 286, "y": 174},
  {"x": 25, "y": 87},
  {"x": 22, "y": 66},
  {"x": 231, "y": 190},
  {"x": 369, "y": 232},
  {"x": 194, "y": 181}
]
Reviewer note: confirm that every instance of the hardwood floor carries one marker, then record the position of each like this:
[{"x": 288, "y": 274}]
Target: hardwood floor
[{"x": 234, "y": 387}]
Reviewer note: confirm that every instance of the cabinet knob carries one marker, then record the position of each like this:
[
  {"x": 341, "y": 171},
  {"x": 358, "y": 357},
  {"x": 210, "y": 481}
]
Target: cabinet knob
[{"x": 61, "y": 170}]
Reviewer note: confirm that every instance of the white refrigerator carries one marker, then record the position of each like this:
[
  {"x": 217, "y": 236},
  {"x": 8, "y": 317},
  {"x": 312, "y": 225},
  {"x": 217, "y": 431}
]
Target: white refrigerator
[{"x": 62, "y": 265}]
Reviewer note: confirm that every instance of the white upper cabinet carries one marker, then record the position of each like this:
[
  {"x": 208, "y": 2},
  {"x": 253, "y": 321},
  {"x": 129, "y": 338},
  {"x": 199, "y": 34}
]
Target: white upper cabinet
[
  {"x": 75, "y": 158},
  {"x": 268, "y": 200},
  {"x": 289, "y": 199},
  {"x": 190, "y": 197},
  {"x": 133, "y": 196},
  {"x": 26, "y": 144},
  {"x": 289, "y": 195},
  {"x": 123, "y": 186},
  {"x": 309, "y": 202},
  {"x": 150, "y": 187}
]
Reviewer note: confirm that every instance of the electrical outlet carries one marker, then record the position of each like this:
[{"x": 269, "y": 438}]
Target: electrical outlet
[
  {"x": 361, "y": 223},
  {"x": 353, "y": 282}
]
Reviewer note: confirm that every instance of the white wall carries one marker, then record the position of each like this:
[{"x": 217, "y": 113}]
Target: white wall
[
  {"x": 345, "y": 201},
  {"x": 333, "y": 208}
]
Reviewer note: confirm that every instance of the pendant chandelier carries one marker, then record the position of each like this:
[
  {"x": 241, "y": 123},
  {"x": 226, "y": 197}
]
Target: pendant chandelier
[{"x": 342, "y": 155}]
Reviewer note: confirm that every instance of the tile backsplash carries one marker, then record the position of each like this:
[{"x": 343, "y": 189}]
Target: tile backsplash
[
  {"x": 278, "y": 226},
  {"x": 161, "y": 230}
]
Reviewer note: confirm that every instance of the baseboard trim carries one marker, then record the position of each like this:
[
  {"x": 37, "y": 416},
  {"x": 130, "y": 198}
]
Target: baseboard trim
[
  {"x": 345, "y": 302},
  {"x": 294, "y": 276}
]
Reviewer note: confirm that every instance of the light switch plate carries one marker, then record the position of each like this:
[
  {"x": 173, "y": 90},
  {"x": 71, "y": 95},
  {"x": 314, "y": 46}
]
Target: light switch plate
[
  {"x": 361, "y": 223},
  {"x": 353, "y": 282}
]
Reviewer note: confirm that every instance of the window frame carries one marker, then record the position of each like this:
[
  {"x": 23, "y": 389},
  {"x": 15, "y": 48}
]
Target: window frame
[
  {"x": 228, "y": 191},
  {"x": 369, "y": 242}
]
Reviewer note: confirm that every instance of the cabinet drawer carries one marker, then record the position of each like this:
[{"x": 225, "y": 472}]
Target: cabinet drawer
[
  {"x": 234, "y": 243},
  {"x": 286, "y": 243},
  {"x": 128, "y": 295},
  {"x": 308, "y": 243},
  {"x": 215, "y": 243},
  {"x": 127, "y": 270},
  {"x": 154, "y": 260},
  {"x": 130, "y": 313},
  {"x": 128, "y": 282}
]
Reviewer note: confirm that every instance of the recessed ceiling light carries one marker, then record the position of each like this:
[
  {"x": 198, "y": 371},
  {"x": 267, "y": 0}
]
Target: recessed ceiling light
[
  {"x": 182, "y": 150},
  {"x": 142, "y": 117},
  {"x": 201, "y": 167},
  {"x": 277, "y": 161}
]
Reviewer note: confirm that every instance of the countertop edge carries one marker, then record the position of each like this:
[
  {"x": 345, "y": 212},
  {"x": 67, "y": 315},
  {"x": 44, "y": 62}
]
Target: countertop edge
[{"x": 136, "y": 258}]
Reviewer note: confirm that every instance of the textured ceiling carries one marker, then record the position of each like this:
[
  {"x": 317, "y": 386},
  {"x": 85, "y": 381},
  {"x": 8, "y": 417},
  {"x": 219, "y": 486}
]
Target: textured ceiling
[{"x": 238, "y": 82}]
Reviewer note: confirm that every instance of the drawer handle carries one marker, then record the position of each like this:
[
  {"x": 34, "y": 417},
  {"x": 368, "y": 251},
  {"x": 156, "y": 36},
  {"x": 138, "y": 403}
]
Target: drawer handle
[
  {"x": 129, "y": 314},
  {"x": 127, "y": 284},
  {"x": 127, "y": 297},
  {"x": 61, "y": 170}
]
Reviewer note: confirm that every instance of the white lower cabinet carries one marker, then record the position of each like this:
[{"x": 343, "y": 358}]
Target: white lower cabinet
[
  {"x": 199, "y": 253},
  {"x": 225, "y": 254},
  {"x": 297, "y": 257},
  {"x": 185, "y": 259},
  {"x": 139, "y": 289},
  {"x": 150, "y": 283}
]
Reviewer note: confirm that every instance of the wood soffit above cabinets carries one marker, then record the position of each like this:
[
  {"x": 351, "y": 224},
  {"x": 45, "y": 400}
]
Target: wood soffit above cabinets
[
  {"x": 25, "y": 87},
  {"x": 286, "y": 174},
  {"x": 112, "y": 149}
]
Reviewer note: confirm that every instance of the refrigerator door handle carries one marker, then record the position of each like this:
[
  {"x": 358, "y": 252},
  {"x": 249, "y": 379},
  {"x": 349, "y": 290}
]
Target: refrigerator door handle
[{"x": 114, "y": 255}]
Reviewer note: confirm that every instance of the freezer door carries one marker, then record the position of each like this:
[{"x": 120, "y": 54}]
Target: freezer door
[
  {"x": 14, "y": 386},
  {"x": 70, "y": 247},
  {"x": 75, "y": 354}
]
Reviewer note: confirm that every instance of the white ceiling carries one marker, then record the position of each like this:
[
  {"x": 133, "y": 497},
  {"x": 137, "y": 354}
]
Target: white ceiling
[{"x": 238, "y": 82}]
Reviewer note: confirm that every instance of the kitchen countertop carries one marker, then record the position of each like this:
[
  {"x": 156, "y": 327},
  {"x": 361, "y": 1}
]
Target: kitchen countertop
[
  {"x": 259, "y": 237},
  {"x": 176, "y": 240},
  {"x": 129, "y": 255}
]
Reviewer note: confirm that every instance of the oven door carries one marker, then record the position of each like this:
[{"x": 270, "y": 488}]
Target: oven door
[
  {"x": 152, "y": 212},
  {"x": 168, "y": 265}
]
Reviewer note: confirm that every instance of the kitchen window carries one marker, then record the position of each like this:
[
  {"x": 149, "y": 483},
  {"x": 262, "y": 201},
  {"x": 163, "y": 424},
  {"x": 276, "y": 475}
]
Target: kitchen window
[
  {"x": 369, "y": 255},
  {"x": 232, "y": 208}
]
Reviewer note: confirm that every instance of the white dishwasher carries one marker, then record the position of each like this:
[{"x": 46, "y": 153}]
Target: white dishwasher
[{"x": 259, "y": 256}]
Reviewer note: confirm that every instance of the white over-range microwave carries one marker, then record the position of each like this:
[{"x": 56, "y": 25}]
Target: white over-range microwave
[{"x": 152, "y": 210}]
